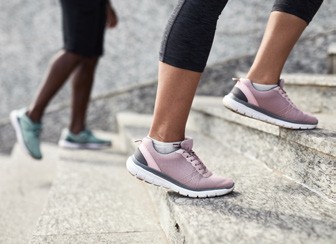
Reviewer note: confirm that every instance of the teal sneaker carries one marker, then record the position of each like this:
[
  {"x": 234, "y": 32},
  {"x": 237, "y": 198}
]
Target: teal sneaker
[
  {"x": 27, "y": 132},
  {"x": 83, "y": 140}
]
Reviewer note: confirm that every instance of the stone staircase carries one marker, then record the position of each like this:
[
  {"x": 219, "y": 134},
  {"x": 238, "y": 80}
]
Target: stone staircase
[
  {"x": 74, "y": 197},
  {"x": 285, "y": 179},
  {"x": 308, "y": 157},
  {"x": 285, "y": 183},
  {"x": 265, "y": 207}
]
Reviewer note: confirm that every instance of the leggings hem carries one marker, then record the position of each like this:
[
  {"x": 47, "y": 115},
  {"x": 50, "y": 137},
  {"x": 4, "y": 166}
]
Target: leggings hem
[{"x": 182, "y": 65}]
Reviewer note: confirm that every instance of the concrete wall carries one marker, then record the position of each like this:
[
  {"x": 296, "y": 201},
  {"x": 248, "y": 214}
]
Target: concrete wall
[{"x": 30, "y": 34}]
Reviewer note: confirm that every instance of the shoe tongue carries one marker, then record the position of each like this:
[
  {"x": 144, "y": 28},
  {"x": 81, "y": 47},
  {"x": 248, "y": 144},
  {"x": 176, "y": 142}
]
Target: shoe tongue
[
  {"x": 281, "y": 83},
  {"x": 25, "y": 119},
  {"x": 187, "y": 144}
]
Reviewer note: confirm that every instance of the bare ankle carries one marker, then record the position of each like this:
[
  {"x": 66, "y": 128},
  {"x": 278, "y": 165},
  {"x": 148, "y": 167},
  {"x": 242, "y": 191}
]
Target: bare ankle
[
  {"x": 33, "y": 116},
  {"x": 75, "y": 130},
  {"x": 264, "y": 79},
  {"x": 167, "y": 136}
]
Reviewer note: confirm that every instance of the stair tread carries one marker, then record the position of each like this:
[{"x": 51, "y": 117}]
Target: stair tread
[
  {"x": 264, "y": 207},
  {"x": 322, "y": 139},
  {"x": 24, "y": 187},
  {"x": 95, "y": 199}
]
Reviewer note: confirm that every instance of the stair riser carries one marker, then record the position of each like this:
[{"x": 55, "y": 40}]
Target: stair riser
[
  {"x": 174, "y": 232},
  {"x": 304, "y": 165}
]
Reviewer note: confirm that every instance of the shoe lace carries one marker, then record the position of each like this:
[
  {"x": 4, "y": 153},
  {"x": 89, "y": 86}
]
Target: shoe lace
[
  {"x": 195, "y": 161},
  {"x": 37, "y": 131},
  {"x": 285, "y": 95}
]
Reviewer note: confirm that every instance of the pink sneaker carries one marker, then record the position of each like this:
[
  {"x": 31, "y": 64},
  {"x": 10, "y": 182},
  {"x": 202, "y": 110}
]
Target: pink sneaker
[
  {"x": 272, "y": 106},
  {"x": 181, "y": 171}
]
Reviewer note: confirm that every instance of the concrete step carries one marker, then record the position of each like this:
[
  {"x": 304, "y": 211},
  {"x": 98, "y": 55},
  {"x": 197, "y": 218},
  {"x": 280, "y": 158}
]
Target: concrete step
[
  {"x": 308, "y": 157},
  {"x": 95, "y": 200},
  {"x": 24, "y": 188},
  {"x": 265, "y": 207}
]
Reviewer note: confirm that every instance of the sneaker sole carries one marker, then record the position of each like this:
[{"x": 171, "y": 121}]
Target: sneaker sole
[
  {"x": 92, "y": 146},
  {"x": 249, "y": 112},
  {"x": 15, "y": 123},
  {"x": 151, "y": 178}
]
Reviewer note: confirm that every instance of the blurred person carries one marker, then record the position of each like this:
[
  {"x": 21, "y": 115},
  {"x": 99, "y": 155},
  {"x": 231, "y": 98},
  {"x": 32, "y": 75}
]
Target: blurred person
[
  {"x": 165, "y": 157},
  {"x": 84, "y": 23}
]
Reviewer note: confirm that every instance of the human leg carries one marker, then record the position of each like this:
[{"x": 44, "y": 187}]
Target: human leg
[
  {"x": 84, "y": 25},
  {"x": 61, "y": 68},
  {"x": 270, "y": 102},
  {"x": 81, "y": 90},
  {"x": 27, "y": 123},
  {"x": 184, "y": 53},
  {"x": 285, "y": 25},
  {"x": 276, "y": 45},
  {"x": 175, "y": 93},
  {"x": 78, "y": 136}
]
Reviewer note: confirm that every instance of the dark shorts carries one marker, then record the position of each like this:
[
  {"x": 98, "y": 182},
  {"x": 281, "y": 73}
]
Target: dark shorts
[{"x": 84, "y": 26}]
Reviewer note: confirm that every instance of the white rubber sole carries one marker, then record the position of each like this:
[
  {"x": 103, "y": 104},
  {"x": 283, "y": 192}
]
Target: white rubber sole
[
  {"x": 92, "y": 146},
  {"x": 249, "y": 112},
  {"x": 15, "y": 123},
  {"x": 154, "y": 179}
]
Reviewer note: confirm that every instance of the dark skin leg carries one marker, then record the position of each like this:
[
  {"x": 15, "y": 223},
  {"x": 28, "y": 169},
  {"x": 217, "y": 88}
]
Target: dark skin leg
[
  {"x": 61, "y": 67},
  {"x": 81, "y": 90}
]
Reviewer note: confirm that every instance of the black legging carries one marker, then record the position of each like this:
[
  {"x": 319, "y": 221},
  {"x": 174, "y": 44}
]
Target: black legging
[{"x": 190, "y": 32}]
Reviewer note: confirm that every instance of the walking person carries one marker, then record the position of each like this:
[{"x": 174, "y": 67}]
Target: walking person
[
  {"x": 165, "y": 157},
  {"x": 84, "y": 23}
]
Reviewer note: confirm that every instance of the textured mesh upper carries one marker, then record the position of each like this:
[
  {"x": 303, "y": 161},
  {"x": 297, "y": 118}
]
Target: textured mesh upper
[
  {"x": 275, "y": 101},
  {"x": 177, "y": 166}
]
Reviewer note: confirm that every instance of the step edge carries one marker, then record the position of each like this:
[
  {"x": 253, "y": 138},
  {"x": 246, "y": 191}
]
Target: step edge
[{"x": 202, "y": 105}]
